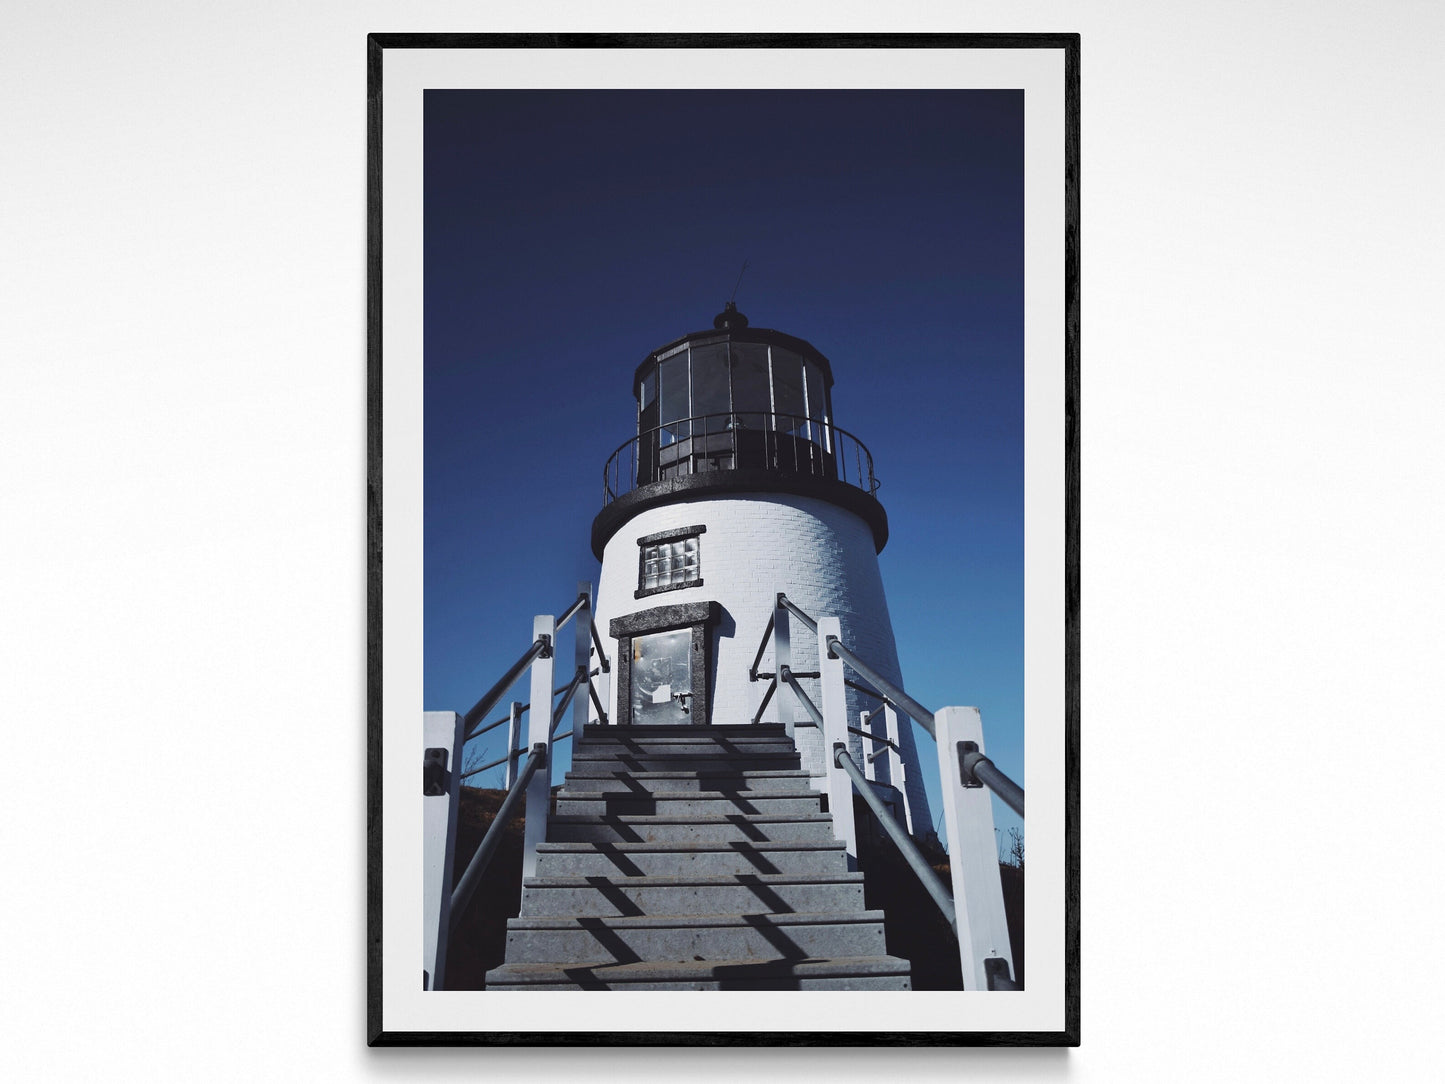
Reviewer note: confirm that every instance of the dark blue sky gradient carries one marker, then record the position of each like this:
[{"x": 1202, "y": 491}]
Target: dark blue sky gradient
[{"x": 569, "y": 233}]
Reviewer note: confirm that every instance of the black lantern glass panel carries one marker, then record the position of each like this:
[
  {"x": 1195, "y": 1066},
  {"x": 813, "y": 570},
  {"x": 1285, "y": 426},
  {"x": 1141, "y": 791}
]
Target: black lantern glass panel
[
  {"x": 710, "y": 381},
  {"x": 788, "y": 403},
  {"x": 673, "y": 396},
  {"x": 752, "y": 391},
  {"x": 817, "y": 405}
]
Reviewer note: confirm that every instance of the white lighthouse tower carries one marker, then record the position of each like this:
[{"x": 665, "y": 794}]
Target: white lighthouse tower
[{"x": 738, "y": 485}]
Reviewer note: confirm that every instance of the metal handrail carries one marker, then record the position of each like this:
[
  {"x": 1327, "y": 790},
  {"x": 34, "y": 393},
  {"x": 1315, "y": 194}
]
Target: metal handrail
[
  {"x": 980, "y": 769},
  {"x": 577, "y": 679},
  {"x": 492, "y": 725},
  {"x": 803, "y": 698},
  {"x": 597, "y": 643},
  {"x": 911, "y": 854},
  {"x": 825, "y": 456},
  {"x": 569, "y": 688},
  {"x": 767, "y": 696},
  {"x": 1009, "y": 792},
  {"x": 873, "y": 737},
  {"x": 762, "y": 646},
  {"x": 472, "y": 725},
  {"x": 491, "y": 764},
  {"x": 866, "y": 690},
  {"x": 975, "y": 770},
  {"x": 895, "y": 695},
  {"x": 786, "y": 603},
  {"x": 467, "y": 886},
  {"x": 508, "y": 718},
  {"x": 597, "y": 703},
  {"x": 582, "y": 600},
  {"x": 541, "y": 647}
]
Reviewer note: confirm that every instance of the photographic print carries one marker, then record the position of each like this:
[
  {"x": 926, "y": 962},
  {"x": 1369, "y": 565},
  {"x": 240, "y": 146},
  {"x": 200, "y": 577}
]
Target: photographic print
[{"x": 724, "y": 582}]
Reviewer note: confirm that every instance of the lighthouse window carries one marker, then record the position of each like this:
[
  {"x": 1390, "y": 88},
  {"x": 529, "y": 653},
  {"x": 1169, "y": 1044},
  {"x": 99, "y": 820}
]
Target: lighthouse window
[
  {"x": 752, "y": 394},
  {"x": 674, "y": 395},
  {"x": 817, "y": 406},
  {"x": 710, "y": 385},
  {"x": 788, "y": 402},
  {"x": 669, "y": 561},
  {"x": 647, "y": 400}
]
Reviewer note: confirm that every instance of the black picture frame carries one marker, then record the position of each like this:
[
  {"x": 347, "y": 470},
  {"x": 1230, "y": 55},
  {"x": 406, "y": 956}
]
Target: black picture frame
[{"x": 1069, "y": 45}]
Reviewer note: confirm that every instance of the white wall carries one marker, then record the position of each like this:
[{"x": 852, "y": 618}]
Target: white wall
[
  {"x": 754, "y": 546},
  {"x": 181, "y": 589}
]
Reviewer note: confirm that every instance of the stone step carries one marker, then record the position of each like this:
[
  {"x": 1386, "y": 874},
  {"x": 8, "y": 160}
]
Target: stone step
[
  {"x": 684, "y": 804},
  {"x": 734, "y": 938},
  {"x": 687, "y": 730},
  {"x": 748, "y": 893},
  {"x": 764, "y": 828},
  {"x": 846, "y": 973},
  {"x": 682, "y": 747},
  {"x": 717, "y": 779},
  {"x": 705, "y": 740},
  {"x": 712, "y": 859},
  {"x": 685, "y": 762},
  {"x": 722, "y": 736}
]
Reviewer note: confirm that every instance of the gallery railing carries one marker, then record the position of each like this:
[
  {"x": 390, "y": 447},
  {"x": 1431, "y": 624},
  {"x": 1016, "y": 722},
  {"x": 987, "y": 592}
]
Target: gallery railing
[
  {"x": 528, "y": 758},
  {"x": 974, "y": 908},
  {"x": 738, "y": 440}
]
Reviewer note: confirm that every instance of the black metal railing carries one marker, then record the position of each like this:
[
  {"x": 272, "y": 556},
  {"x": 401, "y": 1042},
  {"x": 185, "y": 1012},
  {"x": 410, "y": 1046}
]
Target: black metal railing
[
  {"x": 975, "y": 767},
  {"x": 570, "y": 691},
  {"x": 738, "y": 440},
  {"x": 541, "y": 647},
  {"x": 926, "y": 874},
  {"x": 587, "y": 647},
  {"x": 467, "y": 884},
  {"x": 932, "y": 883}
]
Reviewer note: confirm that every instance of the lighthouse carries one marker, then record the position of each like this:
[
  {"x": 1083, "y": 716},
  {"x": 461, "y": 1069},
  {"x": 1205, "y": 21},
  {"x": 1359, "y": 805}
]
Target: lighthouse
[
  {"x": 738, "y": 485},
  {"x": 704, "y": 836}
]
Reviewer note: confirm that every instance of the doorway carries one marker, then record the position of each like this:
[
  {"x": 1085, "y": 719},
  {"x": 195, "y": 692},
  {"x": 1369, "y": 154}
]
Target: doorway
[
  {"x": 666, "y": 653},
  {"x": 662, "y": 678}
]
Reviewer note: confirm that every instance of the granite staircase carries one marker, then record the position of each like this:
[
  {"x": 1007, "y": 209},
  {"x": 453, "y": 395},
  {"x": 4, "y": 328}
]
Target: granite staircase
[{"x": 693, "y": 858}]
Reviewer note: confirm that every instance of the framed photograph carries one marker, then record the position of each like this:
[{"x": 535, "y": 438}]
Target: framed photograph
[{"x": 724, "y": 539}]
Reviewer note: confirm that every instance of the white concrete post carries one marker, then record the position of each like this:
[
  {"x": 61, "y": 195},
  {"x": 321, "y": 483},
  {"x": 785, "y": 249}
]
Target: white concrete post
[
  {"x": 972, "y": 857},
  {"x": 897, "y": 772},
  {"x": 835, "y": 730},
  {"x": 604, "y": 677},
  {"x": 782, "y": 656},
  {"x": 439, "y": 730},
  {"x": 539, "y": 725},
  {"x": 870, "y": 766},
  {"x": 514, "y": 743},
  {"x": 582, "y": 656}
]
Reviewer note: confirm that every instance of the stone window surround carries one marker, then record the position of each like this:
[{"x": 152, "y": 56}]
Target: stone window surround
[{"x": 677, "y": 534}]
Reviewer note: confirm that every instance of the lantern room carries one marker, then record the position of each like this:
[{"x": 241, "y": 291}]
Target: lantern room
[
  {"x": 738, "y": 407},
  {"x": 733, "y": 399}
]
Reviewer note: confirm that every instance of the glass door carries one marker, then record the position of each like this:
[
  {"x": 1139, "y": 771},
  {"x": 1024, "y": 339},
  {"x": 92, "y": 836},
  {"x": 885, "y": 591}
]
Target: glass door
[{"x": 662, "y": 678}]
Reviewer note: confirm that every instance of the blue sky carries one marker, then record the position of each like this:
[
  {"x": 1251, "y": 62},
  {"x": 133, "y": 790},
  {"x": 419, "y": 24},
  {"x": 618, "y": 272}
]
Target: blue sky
[{"x": 568, "y": 233}]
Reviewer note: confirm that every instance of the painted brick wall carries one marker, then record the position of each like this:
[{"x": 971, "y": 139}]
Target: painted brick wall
[{"x": 756, "y": 545}]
